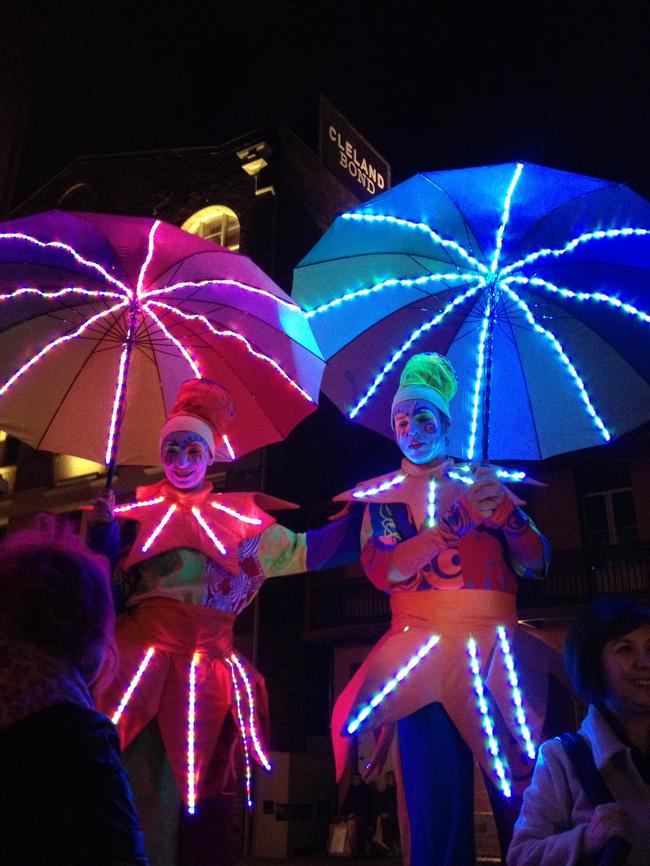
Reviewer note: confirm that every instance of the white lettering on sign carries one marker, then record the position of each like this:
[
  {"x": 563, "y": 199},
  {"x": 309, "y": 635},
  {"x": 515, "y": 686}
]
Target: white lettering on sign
[{"x": 364, "y": 172}]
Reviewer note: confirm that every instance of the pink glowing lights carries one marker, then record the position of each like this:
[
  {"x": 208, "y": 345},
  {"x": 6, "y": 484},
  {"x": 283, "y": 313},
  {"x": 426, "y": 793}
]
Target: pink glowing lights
[
  {"x": 229, "y": 448},
  {"x": 191, "y": 734},
  {"x": 251, "y": 713},
  {"x": 58, "y": 342},
  {"x": 133, "y": 685},
  {"x": 248, "y": 775},
  {"x": 208, "y": 531},
  {"x": 163, "y": 523},
  {"x": 80, "y": 260},
  {"x": 192, "y": 317},
  {"x": 117, "y": 405},
  {"x": 181, "y": 348},
  {"x": 146, "y": 503},
  {"x": 254, "y": 521},
  {"x": 135, "y": 306}
]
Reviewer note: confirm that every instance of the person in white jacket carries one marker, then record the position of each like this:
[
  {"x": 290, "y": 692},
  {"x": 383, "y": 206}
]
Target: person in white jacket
[{"x": 607, "y": 653}]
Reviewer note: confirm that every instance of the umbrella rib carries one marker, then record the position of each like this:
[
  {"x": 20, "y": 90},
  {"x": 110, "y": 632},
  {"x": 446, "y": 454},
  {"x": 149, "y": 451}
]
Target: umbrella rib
[
  {"x": 584, "y": 395},
  {"x": 456, "y": 207},
  {"x": 225, "y": 305},
  {"x": 408, "y": 282},
  {"x": 240, "y": 338},
  {"x": 154, "y": 358},
  {"x": 19, "y": 236},
  {"x": 71, "y": 385},
  {"x": 528, "y": 397},
  {"x": 234, "y": 373},
  {"x": 416, "y": 334},
  {"x": 570, "y": 294},
  {"x": 567, "y": 203},
  {"x": 423, "y": 227}
]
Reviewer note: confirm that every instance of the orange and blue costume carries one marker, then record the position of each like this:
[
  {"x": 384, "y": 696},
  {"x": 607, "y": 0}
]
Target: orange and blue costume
[{"x": 455, "y": 661}]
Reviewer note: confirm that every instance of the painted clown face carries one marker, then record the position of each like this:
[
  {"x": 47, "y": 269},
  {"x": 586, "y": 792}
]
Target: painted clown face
[
  {"x": 185, "y": 458},
  {"x": 419, "y": 430}
]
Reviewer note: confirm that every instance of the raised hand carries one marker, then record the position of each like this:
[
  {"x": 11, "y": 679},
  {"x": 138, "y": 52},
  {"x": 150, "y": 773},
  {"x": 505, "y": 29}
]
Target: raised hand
[{"x": 103, "y": 505}]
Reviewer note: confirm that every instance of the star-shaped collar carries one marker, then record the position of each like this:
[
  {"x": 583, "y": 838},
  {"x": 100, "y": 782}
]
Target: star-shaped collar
[{"x": 212, "y": 523}]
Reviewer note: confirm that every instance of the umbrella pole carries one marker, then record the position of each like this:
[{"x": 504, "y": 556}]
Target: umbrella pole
[
  {"x": 485, "y": 431},
  {"x": 120, "y": 398}
]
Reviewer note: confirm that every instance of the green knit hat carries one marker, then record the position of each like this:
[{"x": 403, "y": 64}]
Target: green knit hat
[{"x": 427, "y": 376}]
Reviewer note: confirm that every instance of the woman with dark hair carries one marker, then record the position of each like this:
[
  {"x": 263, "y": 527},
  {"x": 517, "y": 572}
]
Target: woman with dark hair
[
  {"x": 64, "y": 798},
  {"x": 607, "y": 654}
]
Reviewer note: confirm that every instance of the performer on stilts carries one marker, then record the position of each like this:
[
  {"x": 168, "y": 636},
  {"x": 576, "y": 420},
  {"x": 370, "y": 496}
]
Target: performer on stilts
[
  {"x": 455, "y": 676},
  {"x": 197, "y": 561}
]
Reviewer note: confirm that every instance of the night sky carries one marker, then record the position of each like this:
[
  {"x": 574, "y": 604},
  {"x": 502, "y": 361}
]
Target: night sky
[{"x": 431, "y": 84}]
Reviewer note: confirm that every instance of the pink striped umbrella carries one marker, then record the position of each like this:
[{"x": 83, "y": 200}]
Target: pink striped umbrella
[{"x": 103, "y": 317}]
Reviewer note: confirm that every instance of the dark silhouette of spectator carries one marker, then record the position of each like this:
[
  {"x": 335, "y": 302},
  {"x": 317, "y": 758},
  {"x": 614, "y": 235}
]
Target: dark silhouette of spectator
[
  {"x": 64, "y": 797},
  {"x": 357, "y": 810},
  {"x": 387, "y": 809}
]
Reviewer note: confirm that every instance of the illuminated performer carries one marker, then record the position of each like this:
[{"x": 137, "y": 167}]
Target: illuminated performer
[
  {"x": 197, "y": 561},
  {"x": 455, "y": 671}
]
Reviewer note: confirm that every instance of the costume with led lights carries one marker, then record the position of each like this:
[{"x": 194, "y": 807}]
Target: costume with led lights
[
  {"x": 454, "y": 661},
  {"x": 197, "y": 561}
]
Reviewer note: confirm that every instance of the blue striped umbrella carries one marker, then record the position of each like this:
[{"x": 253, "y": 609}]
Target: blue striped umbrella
[{"x": 535, "y": 283}]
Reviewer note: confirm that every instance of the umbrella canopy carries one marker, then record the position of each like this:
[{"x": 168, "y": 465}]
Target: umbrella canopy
[
  {"x": 535, "y": 283},
  {"x": 103, "y": 317}
]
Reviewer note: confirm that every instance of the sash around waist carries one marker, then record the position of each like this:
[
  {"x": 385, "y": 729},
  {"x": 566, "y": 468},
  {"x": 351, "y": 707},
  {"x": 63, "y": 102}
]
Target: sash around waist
[
  {"x": 475, "y": 607},
  {"x": 177, "y": 627}
]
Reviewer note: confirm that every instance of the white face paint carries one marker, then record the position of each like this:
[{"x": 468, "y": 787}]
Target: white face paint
[
  {"x": 419, "y": 430},
  {"x": 185, "y": 458}
]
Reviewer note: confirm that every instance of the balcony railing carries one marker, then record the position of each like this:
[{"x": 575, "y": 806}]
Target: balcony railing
[
  {"x": 582, "y": 575},
  {"x": 574, "y": 578}
]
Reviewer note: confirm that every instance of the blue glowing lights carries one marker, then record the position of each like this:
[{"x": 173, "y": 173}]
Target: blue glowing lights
[
  {"x": 431, "y": 503},
  {"x": 460, "y": 299},
  {"x": 392, "y": 683},
  {"x": 478, "y": 381},
  {"x": 559, "y": 349},
  {"x": 517, "y": 699},
  {"x": 493, "y": 283},
  {"x": 492, "y": 744},
  {"x": 386, "y": 485}
]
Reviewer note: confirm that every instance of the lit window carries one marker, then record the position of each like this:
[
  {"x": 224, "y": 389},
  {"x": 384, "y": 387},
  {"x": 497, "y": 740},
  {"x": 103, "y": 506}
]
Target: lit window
[
  {"x": 67, "y": 468},
  {"x": 215, "y": 223},
  {"x": 79, "y": 196}
]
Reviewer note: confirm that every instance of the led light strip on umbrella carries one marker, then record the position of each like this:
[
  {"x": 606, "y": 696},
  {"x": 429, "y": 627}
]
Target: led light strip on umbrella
[
  {"x": 491, "y": 283},
  {"x": 141, "y": 254},
  {"x": 191, "y": 317}
]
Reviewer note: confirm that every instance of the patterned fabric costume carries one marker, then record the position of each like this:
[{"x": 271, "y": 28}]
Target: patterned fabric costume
[
  {"x": 454, "y": 640},
  {"x": 197, "y": 561}
]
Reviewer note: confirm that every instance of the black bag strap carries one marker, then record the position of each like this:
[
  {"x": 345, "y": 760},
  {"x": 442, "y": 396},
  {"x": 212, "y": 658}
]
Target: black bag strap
[{"x": 587, "y": 772}]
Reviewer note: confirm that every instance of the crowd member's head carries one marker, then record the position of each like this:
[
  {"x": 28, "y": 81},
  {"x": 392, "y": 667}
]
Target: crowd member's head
[
  {"x": 193, "y": 436},
  {"x": 55, "y": 595},
  {"x": 420, "y": 413},
  {"x": 607, "y": 654}
]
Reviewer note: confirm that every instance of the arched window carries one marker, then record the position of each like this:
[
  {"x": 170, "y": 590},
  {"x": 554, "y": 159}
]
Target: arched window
[
  {"x": 216, "y": 223},
  {"x": 79, "y": 196}
]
